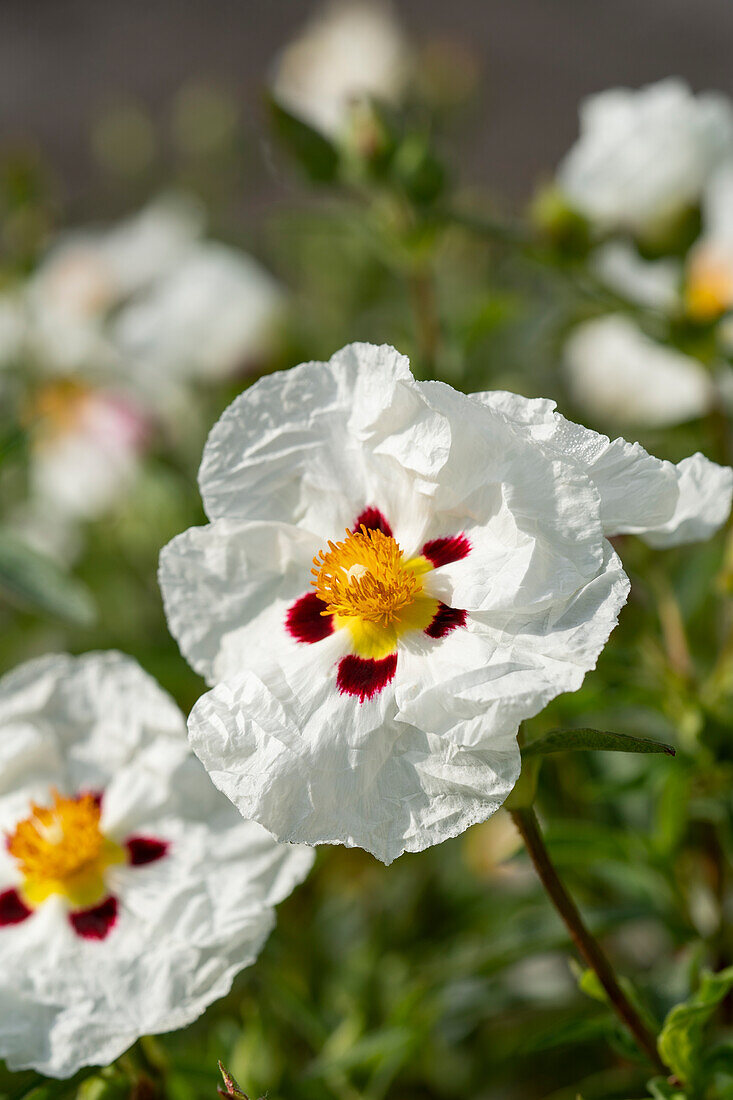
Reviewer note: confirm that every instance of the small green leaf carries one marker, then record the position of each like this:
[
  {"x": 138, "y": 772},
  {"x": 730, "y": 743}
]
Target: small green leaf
[
  {"x": 315, "y": 154},
  {"x": 34, "y": 581},
  {"x": 584, "y": 739},
  {"x": 660, "y": 1089},
  {"x": 681, "y": 1038}
]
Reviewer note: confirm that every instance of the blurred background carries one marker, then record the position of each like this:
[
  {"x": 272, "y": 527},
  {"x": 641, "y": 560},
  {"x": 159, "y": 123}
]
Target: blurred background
[{"x": 64, "y": 64}]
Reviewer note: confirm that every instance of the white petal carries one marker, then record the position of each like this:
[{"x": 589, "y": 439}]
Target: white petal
[
  {"x": 320, "y": 767},
  {"x": 644, "y": 155},
  {"x": 640, "y": 494},
  {"x": 349, "y": 50},
  {"x": 212, "y": 314},
  {"x": 703, "y": 504},
  {"x": 617, "y": 373},
  {"x": 227, "y": 589},
  {"x": 510, "y": 663},
  {"x": 651, "y": 283},
  {"x": 282, "y": 451}
]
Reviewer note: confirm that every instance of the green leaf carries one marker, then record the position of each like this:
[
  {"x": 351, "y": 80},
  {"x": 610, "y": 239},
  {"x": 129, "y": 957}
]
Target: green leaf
[
  {"x": 34, "y": 581},
  {"x": 660, "y": 1089},
  {"x": 681, "y": 1038},
  {"x": 318, "y": 158},
  {"x": 584, "y": 739}
]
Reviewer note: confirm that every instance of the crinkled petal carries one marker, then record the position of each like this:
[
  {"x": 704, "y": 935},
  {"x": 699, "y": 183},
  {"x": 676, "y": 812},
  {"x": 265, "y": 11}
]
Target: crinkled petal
[
  {"x": 283, "y": 450},
  {"x": 640, "y": 494},
  {"x": 316, "y": 766},
  {"x": 227, "y": 589},
  {"x": 703, "y": 504},
  {"x": 509, "y": 663}
]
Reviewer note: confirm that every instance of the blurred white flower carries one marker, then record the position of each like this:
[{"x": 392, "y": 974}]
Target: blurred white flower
[
  {"x": 709, "y": 283},
  {"x": 351, "y": 50},
  {"x": 617, "y": 373},
  {"x": 654, "y": 284},
  {"x": 644, "y": 155},
  {"x": 214, "y": 313},
  {"x": 131, "y": 892},
  {"x": 395, "y": 575},
  {"x": 88, "y": 272},
  {"x": 86, "y": 445}
]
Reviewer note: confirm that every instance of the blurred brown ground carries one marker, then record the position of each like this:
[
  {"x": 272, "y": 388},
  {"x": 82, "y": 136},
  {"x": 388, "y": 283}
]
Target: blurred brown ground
[{"x": 64, "y": 61}]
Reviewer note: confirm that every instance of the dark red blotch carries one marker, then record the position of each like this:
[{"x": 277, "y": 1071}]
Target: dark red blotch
[
  {"x": 373, "y": 520},
  {"x": 445, "y": 550},
  {"x": 145, "y": 849},
  {"x": 95, "y": 923},
  {"x": 13, "y": 909},
  {"x": 304, "y": 620},
  {"x": 446, "y": 619},
  {"x": 365, "y": 676}
]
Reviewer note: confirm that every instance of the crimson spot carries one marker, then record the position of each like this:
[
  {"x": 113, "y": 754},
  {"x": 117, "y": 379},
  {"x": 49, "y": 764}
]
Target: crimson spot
[
  {"x": 446, "y": 619},
  {"x": 444, "y": 551},
  {"x": 365, "y": 676},
  {"x": 373, "y": 520},
  {"x": 145, "y": 849},
  {"x": 95, "y": 923},
  {"x": 304, "y": 620},
  {"x": 13, "y": 909}
]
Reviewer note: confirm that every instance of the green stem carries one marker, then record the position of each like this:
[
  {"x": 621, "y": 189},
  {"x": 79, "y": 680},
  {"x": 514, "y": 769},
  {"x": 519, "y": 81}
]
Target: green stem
[
  {"x": 588, "y": 947},
  {"x": 425, "y": 312}
]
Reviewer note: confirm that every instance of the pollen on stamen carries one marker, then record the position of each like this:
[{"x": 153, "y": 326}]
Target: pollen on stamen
[{"x": 365, "y": 576}]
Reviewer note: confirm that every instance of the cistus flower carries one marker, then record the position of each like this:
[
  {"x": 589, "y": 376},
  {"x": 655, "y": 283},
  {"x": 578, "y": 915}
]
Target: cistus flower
[
  {"x": 131, "y": 891},
  {"x": 644, "y": 155},
  {"x": 616, "y": 373},
  {"x": 88, "y": 272},
  {"x": 394, "y": 576},
  {"x": 351, "y": 50},
  {"x": 214, "y": 314},
  {"x": 85, "y": 448},
  {"x": 709, "y": 276}
]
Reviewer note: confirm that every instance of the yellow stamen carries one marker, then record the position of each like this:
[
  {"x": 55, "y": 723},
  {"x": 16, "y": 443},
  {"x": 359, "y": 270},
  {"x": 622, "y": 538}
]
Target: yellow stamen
[
  {"x": 709, "y": 290},
  {"x": 366, "y": 583},
  {"x": 57, "y": 407},
  {"x": 60, "y": 849}
]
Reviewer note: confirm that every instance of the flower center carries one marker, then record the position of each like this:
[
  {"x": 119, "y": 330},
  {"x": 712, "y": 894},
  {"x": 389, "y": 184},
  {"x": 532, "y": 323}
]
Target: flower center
[
  {"x": 709, "y": 290},
  {"x": 369, "y": 586},
  {"x": 58, "y": 407},
  {"x": 60, "y": 849}
]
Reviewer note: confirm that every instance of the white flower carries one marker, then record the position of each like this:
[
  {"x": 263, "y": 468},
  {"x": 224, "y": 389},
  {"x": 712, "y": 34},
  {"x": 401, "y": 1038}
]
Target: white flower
[
  {"x": 373, "y": 698},
  {"x": 654, "y": 284},
  {"x": 86, "y": 448},
  {"x": 215, "y": 312},
  {"x": 351, "y": 50},
  {"x": 131, "y": 892},
  {"x": 617, "y": 373},
  {"x": 643, "y": 156},
  {"x": 709, "y": 285},
  {"x": 87, "y": 272}
]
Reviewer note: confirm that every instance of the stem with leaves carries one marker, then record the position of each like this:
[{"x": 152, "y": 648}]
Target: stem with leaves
[{"x": 588, "y": 947}]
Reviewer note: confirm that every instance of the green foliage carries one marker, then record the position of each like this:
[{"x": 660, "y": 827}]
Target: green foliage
[
  {"x": 35, "y": 582},
  {"x": 314, "y": 154},
  {"x": 579, "y": 739},
  {"x": 681, "y": 1040}
]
